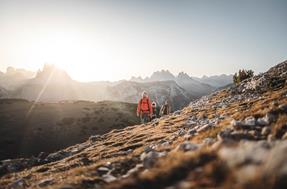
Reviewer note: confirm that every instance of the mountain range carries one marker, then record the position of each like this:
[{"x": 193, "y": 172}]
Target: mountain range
[{"x": 52, "y": 84}]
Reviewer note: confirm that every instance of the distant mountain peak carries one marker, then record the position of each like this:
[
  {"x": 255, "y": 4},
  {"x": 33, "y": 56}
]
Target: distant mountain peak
[
  {"x": 162, "y": 75},
  {"x": 183, "y": 75},
  {"x": 52, "y": 73}
]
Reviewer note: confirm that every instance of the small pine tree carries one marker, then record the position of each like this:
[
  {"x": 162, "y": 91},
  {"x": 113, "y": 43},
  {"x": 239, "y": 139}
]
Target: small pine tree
[{"x": 242, "y": 75}]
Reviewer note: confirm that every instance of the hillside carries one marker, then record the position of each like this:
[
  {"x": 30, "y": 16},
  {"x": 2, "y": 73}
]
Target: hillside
[
  {"x": 28, "y": 129},
  {"x": 233, "y": 138}
]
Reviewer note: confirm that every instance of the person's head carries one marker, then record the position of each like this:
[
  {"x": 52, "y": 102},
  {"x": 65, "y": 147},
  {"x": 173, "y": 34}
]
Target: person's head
[
  {"x": 144, "y": 94},
  {"x": 153, "y": 104},
  {"x": 166, "y": 102}
]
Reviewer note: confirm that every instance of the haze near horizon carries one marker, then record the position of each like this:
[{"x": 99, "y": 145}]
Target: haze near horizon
[{"x": 114, "y": 40}]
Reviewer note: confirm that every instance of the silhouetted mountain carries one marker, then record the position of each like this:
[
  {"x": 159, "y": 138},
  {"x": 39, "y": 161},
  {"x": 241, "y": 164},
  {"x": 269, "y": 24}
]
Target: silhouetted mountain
[
  {"x": 14, "y": 77},
  {"x": 50, "y": 84}
]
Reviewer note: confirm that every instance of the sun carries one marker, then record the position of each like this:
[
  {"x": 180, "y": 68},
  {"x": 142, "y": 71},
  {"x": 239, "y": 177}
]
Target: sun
[{"x": 82, "y": 58}]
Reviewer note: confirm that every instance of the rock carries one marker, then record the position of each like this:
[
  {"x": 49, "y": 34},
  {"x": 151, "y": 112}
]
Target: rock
[
  {"x": 19, "y": 184},
  {"x": 191, "y": 131},
  {"x": 283, "y": 108},
  {"x": 133, "y": 170},
  {"x": 225, "y": 134},
  {"x": 109, "y": 178},
  {"x": 270, "y": 138},
  {"x": 244, "y": 154},
  {"x": 57, "y": 156},
  {"x": 103, "y": 170},
  {"x": 13, "y": 165},
  {"x": 42, "y": 155},
  {"x": 150, "y": 158},
  {"x": 284, "y": 137},
  {"x": 250, "y": 121},
  {"x": 229, "y": 134},
  {"x": 187, "y": 146},
  {"x": 266, "y": 131},
  {"x": 181, "y": 132},
  {"x": 95, "y": 138},
  {"x": 204, "y": 128},
  {"x": 270, "y": 117},
  {"x": 209, "y": 141},
  {"x": 262, "y": 121},
  {"x": 45, "y": 182},
  {"x": 147, "y": 149},
  {"x": 178, "y": 112}
]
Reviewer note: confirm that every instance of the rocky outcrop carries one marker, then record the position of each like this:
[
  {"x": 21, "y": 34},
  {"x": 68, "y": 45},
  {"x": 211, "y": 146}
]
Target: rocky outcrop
[{"x": 233, "y": 138}]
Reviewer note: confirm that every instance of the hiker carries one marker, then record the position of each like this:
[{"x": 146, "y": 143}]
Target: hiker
[
  {"x": 144, "y": 110},
  {"x": 165, "y": 109},
  {"x": 155, "y": 111}
]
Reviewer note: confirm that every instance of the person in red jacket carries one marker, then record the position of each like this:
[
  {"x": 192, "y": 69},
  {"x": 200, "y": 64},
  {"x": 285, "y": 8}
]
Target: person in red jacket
[{"x": 144, "y": 110}]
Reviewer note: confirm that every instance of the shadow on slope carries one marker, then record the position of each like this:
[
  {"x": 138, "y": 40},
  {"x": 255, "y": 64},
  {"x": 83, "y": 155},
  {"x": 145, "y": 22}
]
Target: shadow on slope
[{"x": 53, "y": 126}]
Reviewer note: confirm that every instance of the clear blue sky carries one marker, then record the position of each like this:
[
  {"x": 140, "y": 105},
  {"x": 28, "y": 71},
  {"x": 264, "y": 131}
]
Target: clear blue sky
[{"x": 111, "y": 40}]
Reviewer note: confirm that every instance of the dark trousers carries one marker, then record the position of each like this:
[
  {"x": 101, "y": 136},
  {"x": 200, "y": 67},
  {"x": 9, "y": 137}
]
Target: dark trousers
[{"x": 145, "y": 118}]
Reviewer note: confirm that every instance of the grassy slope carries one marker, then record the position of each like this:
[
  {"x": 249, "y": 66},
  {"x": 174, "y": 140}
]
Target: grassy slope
[{"x": 53, "y": 126}]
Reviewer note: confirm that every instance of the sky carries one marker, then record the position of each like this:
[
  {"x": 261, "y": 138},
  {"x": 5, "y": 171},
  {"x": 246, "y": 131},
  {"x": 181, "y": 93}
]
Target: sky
[{"x": 113, "y": 39}]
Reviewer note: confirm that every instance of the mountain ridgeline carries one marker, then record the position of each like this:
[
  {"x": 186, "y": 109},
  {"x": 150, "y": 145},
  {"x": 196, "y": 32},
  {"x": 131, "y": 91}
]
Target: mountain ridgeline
[{"x": 52, "y": 84}]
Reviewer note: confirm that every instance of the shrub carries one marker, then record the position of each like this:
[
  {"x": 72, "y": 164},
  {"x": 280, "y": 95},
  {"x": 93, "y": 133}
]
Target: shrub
[{"x": 242, "y": 75}]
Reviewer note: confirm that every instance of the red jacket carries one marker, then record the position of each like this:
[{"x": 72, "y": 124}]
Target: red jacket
[{"x": 144, "y": 106}]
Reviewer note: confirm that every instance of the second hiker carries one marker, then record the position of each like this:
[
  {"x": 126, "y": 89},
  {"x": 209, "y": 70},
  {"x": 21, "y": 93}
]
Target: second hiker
[{"x": 165, "y": 109}]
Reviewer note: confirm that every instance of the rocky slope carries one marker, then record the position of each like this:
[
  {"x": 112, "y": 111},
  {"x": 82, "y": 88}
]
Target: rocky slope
[{"x": 233, "y": 138}]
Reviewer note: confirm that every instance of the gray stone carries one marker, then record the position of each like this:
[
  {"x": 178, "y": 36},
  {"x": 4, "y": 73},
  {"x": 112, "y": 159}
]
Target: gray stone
[
  {"x": 150, "y": 158},
  {"x": 209, "y": 141},
  {"x": 19, "y": 184},
  {"x": 178, "y": 112},
  {"x": 46, "y": 182},
  {"x": 262, "y": 121},
  {"x": 204, "y": 128},
  {"x": 137, "y": 168},
  {"x": 191, "y": 131},
  {"x": 266, "y": 131},
  {"x": 250, "y": 121},
  {"x": 187, "y": 146},
  {"x": 269, "y": 117},
  {"x": 270, "y": 138},
  {"x": 284, "y": 137},
  {"x": 95, "y": 138},
  {"x": 283, "y": 108},
  {"x": 109, "y": 178},
  {"x": 147, "y": 149},
  {"x": 103, "y": 170},
  {"x": 181, "y": 132},
  {"x": 57, "y": 156}
]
